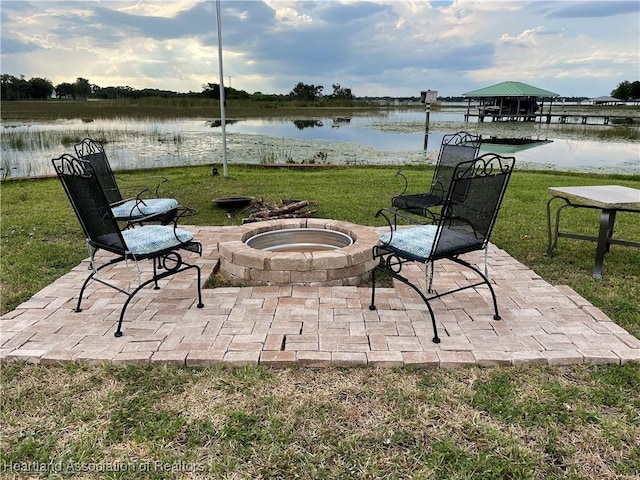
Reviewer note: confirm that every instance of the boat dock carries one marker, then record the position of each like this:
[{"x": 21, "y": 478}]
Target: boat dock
[{"x": 560, "y": 117}]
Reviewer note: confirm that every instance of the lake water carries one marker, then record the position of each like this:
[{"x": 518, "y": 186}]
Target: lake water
[{"x": 396, "y": 137}]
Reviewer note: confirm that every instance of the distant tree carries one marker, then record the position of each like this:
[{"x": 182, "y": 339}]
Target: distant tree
[
  {"x": 115, "y": 93},
  {"x": 154, "y": 92},
  {"x": 40, "y": 88},
  {"x": 627, "y": 90},
  {"x": 234, "y": 94},
  {"x": 14, "y": 88},
  {"x": 211, "y": 90},
  {"x": 267, "y": 97},
  {"x": 64, "y": 90},
  {"x": 82, "y": 89},
  {"x": 341, "y": 93},
  {"x": 306, "y": 92}
]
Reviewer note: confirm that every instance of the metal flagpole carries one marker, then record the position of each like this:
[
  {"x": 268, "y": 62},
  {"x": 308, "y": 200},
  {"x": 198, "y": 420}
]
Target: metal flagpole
[{"x": 222, "y": 99}]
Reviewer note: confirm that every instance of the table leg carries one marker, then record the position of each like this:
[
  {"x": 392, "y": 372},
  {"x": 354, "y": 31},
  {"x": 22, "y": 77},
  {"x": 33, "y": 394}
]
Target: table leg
[
  {"x": 612, "y": 221},
  {"x": 552, "y": 236},
  {"x": 607, "y": 217}
]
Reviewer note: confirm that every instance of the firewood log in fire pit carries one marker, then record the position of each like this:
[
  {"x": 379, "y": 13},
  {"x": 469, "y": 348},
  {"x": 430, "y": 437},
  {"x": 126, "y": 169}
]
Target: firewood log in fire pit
[{"x": 260, "y": 210}]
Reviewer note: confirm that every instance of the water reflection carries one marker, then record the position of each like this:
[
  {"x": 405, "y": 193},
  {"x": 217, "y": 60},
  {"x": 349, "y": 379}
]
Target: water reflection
[
  {"x": 394, "y": 137},
  {"x": 302, "y": 124},
  {"x": 217, "y": 123},
  {"x": 336, "y": 122}
]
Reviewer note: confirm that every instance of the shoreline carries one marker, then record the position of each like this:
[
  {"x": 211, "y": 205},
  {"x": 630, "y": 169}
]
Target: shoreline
[{"x": 165, "y": 109}]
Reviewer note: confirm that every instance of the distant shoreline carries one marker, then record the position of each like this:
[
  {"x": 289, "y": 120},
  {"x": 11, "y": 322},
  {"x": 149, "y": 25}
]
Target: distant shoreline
[{"x": 208, "y": 108}]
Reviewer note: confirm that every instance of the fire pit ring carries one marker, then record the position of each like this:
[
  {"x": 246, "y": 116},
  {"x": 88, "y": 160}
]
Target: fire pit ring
[
  {"x": 309, "y": 252},
  {"x": 300, "y": 240}
]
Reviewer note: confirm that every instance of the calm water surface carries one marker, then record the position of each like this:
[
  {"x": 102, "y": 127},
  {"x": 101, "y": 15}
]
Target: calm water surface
[{"x": 393, "y": 138}]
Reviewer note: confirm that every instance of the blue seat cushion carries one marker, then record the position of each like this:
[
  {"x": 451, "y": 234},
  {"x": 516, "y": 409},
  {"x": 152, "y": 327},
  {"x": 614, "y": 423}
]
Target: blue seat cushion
[
  {"x": 416, "y": 243},
  {"x": 133, "y": 209},
  {"x": 150, "y": 239}
]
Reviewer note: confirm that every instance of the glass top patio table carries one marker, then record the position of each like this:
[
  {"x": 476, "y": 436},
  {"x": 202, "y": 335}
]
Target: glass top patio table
[{"x": 610, "y": 199}]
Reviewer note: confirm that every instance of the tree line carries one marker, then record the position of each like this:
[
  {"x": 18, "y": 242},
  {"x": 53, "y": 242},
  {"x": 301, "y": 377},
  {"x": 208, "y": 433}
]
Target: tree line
[{"x": 37, "y": 88}]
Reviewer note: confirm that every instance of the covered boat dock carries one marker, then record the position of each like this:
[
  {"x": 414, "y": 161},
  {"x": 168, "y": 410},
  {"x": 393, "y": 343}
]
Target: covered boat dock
[{"x": 510, "y": 101}]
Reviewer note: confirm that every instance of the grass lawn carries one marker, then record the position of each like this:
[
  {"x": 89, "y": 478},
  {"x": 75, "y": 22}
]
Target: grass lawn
[{"x": 520, "y": 422}]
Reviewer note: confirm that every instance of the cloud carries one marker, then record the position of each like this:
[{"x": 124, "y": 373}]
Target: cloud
[
  {"x": 17, "y": 46},
  {"x": 377, "y": 47}
]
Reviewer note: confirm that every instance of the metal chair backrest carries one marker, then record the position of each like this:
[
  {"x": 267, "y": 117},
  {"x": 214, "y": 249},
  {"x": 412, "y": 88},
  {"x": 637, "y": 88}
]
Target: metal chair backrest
[
  {"x": 472, "y": 204},
  {"x": 455, "y": 148},
  {"x": 93, "y": 152},
  {"x": 89, "y": 202}
]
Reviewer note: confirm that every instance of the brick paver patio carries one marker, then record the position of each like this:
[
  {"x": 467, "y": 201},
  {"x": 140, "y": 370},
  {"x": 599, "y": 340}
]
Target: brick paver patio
[{"x": 282, "y": 326}]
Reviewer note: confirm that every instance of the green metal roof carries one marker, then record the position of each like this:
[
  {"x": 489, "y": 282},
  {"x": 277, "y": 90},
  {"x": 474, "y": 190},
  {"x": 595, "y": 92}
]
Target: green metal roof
[{"x": 510, "y": 89}]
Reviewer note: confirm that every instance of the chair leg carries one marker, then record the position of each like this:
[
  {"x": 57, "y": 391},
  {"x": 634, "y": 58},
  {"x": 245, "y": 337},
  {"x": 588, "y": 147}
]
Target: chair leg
[
  {"x": 129, "y": 297},
  {"x": 382, "y": 266},
  {"x": 200, "y": 304},
  {"x": 436, "y": 338},
  {"x": 92, "y": 277},
  {"x": 156, "y": 265},
  {"x": 485, "y": 280},
  {"x": 486, "y": 261},
  {"x": 84, "y": 286},
  {"x": 373, "y": 289},
  {"x": 166, "y": 273}
]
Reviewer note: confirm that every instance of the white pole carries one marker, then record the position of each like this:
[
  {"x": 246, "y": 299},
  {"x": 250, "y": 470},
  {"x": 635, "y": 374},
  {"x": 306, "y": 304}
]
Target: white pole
[{"x": 222, "y": 100}]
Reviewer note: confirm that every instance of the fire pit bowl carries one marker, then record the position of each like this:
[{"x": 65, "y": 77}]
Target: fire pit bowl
[
  {"x": 233, "y": 202},
  {"x": 300, "y": 240},
  {"x": 310, "y": 252}
]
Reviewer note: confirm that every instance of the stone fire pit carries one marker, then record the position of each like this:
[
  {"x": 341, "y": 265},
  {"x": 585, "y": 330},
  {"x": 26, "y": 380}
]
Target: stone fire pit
[{"x": 300, "y": 252}]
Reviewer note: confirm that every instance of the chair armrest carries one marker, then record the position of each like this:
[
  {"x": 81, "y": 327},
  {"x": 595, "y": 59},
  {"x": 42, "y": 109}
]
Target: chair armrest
[
  {"x": 406, "y": 182},
  {"x": 122, "y": 202},
  {"x": 171, "y": 217},
  {"x": 183, "y": 212}
]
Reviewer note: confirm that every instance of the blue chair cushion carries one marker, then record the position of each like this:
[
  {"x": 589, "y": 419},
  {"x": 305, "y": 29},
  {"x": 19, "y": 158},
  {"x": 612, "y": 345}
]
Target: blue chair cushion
[
  {"x": 416, "y": 242},
  {"x": 133, "y": 209},
  {"x": 150, "y": 239}
]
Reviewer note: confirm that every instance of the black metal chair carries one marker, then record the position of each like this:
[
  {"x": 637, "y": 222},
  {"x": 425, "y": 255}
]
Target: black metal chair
[
  {"x": 132, "y": 209},
  {"x": 455, "y": 148},
  {"x": 467, "y": 217},
  {"x": 159, "y": 243}
]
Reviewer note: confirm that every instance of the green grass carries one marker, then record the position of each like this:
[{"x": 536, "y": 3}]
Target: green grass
[
  {"x": 516, "y": 423},
  {"x": 167, "y": 108},
  {"x": 525, "y": 422}
]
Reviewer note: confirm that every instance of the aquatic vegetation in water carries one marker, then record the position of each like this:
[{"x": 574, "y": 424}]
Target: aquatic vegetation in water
[
  {"x": 319, "y": 157},
  {"x": 271, "y": 154},
  {"x": 611, "y": 133}
]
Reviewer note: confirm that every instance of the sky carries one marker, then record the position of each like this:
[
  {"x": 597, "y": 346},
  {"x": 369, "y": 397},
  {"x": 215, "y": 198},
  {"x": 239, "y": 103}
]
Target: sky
[{"x": 376, "y": 48}]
